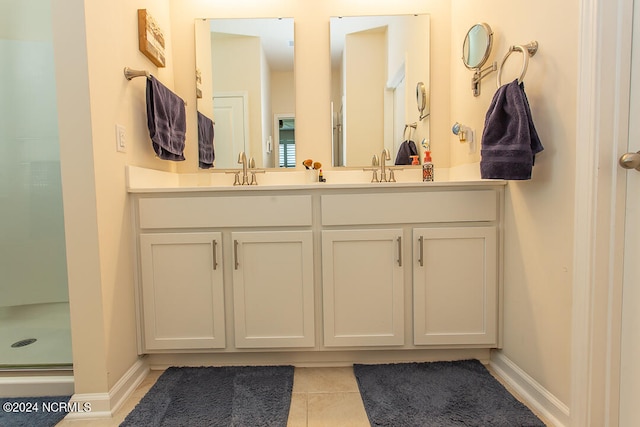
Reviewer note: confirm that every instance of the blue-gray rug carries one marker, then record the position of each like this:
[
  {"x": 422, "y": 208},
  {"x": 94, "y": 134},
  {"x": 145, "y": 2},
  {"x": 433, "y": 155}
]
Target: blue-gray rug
[
  {"x": 216, "y": 396},
  {"x": 439, "y": 394},
  {"x": 33, "y": 411}
]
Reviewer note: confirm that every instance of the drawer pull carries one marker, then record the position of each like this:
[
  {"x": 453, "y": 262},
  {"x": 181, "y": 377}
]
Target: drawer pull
[{"x": 421, "y": 251}]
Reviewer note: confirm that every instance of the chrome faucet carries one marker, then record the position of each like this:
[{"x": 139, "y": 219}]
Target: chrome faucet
[
  {"x": 242, "y": 159},
  {"x": 383, "y": 171}
]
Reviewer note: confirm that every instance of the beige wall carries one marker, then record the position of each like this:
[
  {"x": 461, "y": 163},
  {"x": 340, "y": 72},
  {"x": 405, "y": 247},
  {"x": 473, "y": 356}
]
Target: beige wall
[
  {"x": 538, "y": 253},
  {"x": 94, "y": 96},
  {"x": 93, "y": 42},
  {"x": 203, "y": 54}
]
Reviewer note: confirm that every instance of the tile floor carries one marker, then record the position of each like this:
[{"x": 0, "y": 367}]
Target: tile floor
[{"x": 321, "y": 397}]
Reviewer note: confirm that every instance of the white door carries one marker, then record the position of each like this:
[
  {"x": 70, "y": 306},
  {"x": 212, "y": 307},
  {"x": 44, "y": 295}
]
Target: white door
[
  {"x": 630, "y": 352},
  {"x": 230, "y": 130}
]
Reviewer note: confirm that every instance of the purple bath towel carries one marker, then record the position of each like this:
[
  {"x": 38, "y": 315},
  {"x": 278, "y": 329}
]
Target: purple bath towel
[
  {"x": 509, "y": 140},
  {"x": 205, "y": 141},
  {"x": 166, "y": 119},
  {"x": 406, "y": 150}
]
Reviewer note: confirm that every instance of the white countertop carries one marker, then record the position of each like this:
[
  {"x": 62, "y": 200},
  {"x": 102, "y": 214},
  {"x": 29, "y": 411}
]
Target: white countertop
[{"x": 141, "y": 180}]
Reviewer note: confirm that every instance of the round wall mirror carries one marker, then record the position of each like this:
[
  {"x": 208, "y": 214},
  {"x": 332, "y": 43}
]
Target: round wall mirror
[{"x": 477, "y": 46}]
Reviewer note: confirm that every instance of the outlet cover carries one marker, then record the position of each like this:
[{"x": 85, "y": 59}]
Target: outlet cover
[{"x": 121, "y": 142}]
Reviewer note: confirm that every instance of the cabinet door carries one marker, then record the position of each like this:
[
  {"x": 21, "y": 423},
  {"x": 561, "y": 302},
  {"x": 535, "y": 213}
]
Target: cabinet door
[
  {"x": 362, "y": 284},
  {"x": 455, "y": 286},
  {"x": 182, "y": 291},
  {"x": 273, "y": 289}
]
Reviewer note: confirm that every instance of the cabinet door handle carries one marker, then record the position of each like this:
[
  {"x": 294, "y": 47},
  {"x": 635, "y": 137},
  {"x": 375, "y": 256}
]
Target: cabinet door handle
[
  {"x": 399, "y": 251},
  {"x": 235, "y": 254},
  {"x": 421, "y": 251},
  {"x": 215, "y": 254}
]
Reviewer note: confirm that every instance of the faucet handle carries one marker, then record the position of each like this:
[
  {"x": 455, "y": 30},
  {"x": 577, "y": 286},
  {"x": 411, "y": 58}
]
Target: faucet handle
[
  {"x": 252, "y": 162},
  {"x": 392, "y": 177},
  {"x": 254, "y": 181},
  {"x": 374, "y": 178}
]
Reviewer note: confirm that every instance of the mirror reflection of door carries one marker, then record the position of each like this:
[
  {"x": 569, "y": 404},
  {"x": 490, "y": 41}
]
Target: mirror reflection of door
[
  {"x": 231, "y": 134},
  {"x": 395, "y": 131},
  {"x": 286, "y": 139}
]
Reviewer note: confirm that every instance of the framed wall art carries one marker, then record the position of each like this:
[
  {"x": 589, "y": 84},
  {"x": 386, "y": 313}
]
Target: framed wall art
[{"x": 150, "y": 38}]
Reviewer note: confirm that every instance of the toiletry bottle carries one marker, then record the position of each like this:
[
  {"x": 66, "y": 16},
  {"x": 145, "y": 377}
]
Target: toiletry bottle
[
  {"x": 427, "y": 167},
  {"x": 320, "y": 176}
]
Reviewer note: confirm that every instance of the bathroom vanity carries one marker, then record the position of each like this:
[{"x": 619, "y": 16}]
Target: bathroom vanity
[{"x": 318, "y": 267}]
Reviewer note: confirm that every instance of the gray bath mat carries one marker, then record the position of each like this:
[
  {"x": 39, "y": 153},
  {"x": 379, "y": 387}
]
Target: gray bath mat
[
  {"x": 221, "y": 396},
  {"x": 439, "y": 394}
]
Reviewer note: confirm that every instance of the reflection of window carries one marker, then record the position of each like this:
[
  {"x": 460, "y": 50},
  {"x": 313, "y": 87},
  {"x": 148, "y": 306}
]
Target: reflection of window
[{"x": 287, "y": 143}]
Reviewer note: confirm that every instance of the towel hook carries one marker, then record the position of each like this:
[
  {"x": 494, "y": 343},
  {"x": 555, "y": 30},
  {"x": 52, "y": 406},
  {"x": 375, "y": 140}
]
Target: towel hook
[{"x": 527, "y": 51}]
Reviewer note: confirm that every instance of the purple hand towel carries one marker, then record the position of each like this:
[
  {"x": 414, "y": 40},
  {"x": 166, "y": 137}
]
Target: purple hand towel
[
  {"x": 166, "y": 119},
  {"x": 205, "y": 141},
  {"x": 509, "y": 140},
  {"x": 406, "y": 150}
]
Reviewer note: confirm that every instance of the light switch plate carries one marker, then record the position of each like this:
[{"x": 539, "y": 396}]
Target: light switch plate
[{"x": 121, "y": 143}]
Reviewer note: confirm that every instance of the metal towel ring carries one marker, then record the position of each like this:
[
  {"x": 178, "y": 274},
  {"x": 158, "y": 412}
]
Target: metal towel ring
[
  {"x": 527, "y": 50},
  {"x": 411, "y": 127}
]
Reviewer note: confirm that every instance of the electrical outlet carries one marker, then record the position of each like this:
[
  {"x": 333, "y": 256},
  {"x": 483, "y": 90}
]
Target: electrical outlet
[
  {"x": 471, "y": 138},
  {"x": 121, "y": 143}
]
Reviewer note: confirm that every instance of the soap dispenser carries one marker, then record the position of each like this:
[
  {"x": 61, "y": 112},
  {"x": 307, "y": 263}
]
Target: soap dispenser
[{"x": 427, "y": 167}]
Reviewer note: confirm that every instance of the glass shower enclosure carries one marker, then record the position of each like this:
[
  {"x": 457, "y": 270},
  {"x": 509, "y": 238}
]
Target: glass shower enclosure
[{"x": 34, "y": 302}]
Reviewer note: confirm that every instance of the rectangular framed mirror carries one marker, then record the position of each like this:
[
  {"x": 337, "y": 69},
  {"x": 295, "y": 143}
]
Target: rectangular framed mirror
[
  {"x": 376, "y": 64},
  {"x": 245, "y": 79}
]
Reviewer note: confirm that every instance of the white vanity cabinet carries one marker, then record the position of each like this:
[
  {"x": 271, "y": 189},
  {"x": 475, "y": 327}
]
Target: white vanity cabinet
[
  {"x": 319, "y": 271},
  {"x": 452, "y": 266},
  {"x": 182, "y": 290},
  {"x": 363, "y": 287},
  {"x": 455, "y": 286},
  {"x": 273, "y": 289},
  {"x": 209, "y": 264}
]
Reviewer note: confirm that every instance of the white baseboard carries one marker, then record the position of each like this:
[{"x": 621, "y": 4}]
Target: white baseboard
[
  {"x": 104, "y": 405},
  {"x": 36, "y": 386},
  {"x": 530, "y": 390}
]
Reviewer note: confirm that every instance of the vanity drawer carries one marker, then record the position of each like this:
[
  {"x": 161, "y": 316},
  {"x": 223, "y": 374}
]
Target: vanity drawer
[
  {"x": 202, "y": 212},
  {"x": 396, "y": 208}
]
